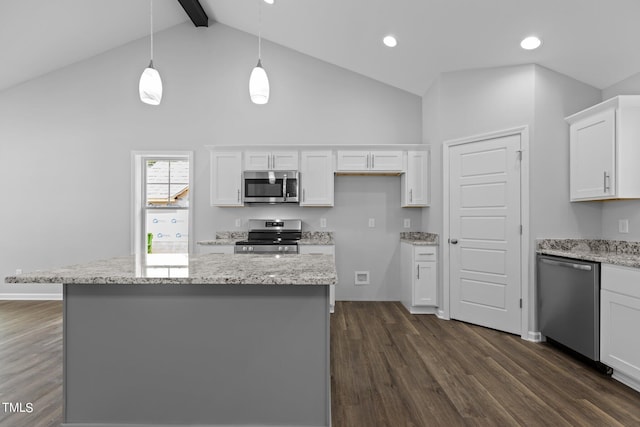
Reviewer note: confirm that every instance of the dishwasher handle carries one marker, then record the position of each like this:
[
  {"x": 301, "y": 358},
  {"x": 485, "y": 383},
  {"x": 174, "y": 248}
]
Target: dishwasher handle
[{"x": 584, "y": 267}]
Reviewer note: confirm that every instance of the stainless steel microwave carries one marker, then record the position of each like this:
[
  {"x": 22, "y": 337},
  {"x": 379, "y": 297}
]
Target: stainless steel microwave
[{"x": 271, "y": 186}]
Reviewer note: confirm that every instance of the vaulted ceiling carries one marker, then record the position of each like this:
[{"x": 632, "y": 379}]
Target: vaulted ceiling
[{"x": 595, "y": 41}]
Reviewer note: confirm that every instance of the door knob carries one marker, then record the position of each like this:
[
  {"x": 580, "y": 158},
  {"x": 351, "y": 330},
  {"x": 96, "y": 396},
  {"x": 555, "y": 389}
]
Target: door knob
[{"x": 453, "y": 241}]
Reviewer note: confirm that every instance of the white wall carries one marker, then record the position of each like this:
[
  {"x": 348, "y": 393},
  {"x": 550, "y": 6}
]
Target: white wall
[
  {"x": 66, "y": 140},
  {"x": 474, "y": 102},
  {"x": 617, "y": 210}
]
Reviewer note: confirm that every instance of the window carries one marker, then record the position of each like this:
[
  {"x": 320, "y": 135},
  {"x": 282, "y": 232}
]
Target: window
[{"x": 162, "y": 217}]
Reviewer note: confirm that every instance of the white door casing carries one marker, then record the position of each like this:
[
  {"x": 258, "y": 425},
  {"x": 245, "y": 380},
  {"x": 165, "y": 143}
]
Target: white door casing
[{"x": 486, "y": 272}]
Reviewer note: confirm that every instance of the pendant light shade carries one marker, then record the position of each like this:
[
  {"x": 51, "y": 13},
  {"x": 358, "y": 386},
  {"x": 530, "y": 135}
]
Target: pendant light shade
[
  {"x": 258, "y": 81},
  {"x": 150, "y": 86},
  {"x": 259, "y": 85}
]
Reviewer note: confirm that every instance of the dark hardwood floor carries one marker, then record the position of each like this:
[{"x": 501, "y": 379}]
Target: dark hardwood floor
[{"x": 389, "y": 368}]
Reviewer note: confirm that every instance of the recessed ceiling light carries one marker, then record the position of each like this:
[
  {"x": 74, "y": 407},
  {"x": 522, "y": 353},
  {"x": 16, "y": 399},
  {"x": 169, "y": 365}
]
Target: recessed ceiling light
[
  {"x": 531, "y": 43},
  {"x": 269, "y": 1},
  {"x": 390, "y": 41}
]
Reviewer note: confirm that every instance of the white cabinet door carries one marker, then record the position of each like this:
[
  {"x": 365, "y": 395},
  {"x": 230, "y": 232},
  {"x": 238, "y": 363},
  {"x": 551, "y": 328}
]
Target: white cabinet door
[
  {"x": 386, "y": 161},
  {"x": 321, "y": 250},
  {"x": 257, "y": 160},
  {"x": 270, "y": 160},
  {"x": 353, "y": 160},
  {"x": 592, "y": 164},
  {"x": 619, "y": 320},
  {"x": 226, "y": 178},
  {"x": 317, "y": 179},
  {"x": 619, "y": 343},
  {"x": 415, "y": 181},
  {"x": 424, "y": 289},
  {"x": 284, "y": 160}
]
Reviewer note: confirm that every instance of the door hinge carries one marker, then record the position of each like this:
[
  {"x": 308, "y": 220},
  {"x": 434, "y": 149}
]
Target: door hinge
[
  {"x": 520, "y": 302},
  {"x": 519, "y": 154},
  {"x": 521, "y": 227}
]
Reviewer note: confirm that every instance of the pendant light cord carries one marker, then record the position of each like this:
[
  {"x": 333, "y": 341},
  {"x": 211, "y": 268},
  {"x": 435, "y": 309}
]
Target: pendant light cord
[
  {"x": 259, "y": 30},
  {"x": 151, "y": 19}
]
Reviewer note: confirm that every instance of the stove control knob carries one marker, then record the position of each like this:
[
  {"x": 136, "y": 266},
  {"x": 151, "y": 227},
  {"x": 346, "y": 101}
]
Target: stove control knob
[
  {"x": 286, "y": 248},
  {"x": 250, "y": 248},
  {"x": 280, "y": 248},
  {"x": 244, "y": 248}
]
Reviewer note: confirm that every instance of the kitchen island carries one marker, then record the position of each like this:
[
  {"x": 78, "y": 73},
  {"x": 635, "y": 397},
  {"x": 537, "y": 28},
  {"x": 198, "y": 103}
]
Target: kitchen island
[{"x": 220, "y": 340}]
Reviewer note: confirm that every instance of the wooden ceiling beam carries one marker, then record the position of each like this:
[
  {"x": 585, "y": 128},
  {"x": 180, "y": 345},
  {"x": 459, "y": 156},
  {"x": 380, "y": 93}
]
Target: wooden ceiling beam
[{"x": 196, "y": 12}]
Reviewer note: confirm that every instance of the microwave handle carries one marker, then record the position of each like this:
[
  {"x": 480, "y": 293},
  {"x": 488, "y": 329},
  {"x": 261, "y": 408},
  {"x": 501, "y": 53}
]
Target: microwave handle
[{"x": 284, "y": 187}]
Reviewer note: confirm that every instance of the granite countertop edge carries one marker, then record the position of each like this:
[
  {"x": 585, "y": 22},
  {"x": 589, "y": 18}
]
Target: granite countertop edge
[
  {"x": 209, "y": 269},
  {"x": 319, "y": 238},
  {"x": 614, "y": 252},
  {"x": 419, "y": 238}
]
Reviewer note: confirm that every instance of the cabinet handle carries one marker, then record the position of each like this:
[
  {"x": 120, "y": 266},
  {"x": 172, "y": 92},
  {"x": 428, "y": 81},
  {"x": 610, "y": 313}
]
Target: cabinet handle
[
  {"x": 418, "y": 270},
  {"x": 367, "y": 161},
  {"x": 606, "y": 179},
  {"x": 303, "y": 195},
  {"x": 373, "y": 161},
  {"x": 238, "y": 195},
  {"x": 411, "y": 195}
]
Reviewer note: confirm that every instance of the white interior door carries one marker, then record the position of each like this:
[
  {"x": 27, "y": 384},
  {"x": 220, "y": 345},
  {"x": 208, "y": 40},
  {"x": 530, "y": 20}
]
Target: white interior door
[{"x": 485, "y": 233}]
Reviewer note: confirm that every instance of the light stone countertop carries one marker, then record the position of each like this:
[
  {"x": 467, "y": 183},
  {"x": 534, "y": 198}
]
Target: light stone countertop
[
  {"x": 241, "y": 269},
  {"x": 617, "y": 252},
  {"x": 231, "y": 237},
  {"x": 419, "y": 238}
]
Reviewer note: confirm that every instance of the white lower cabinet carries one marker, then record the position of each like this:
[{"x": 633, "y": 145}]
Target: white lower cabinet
[
  {"x": 215, "y": 249},
  {"x": 619, "y": 321},
  {"x": 419, "y": 278},
  {"x": 322, "y": 250}
]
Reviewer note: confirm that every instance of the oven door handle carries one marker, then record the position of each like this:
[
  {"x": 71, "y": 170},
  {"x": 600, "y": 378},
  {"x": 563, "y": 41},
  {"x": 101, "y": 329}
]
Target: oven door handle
[{"x": 584, "y": 267}]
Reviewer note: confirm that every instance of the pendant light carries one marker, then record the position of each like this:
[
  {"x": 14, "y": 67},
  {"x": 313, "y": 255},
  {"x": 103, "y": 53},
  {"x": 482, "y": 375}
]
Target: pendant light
[
  {"x": 258, "y": 81},
  {"x": 150, "y": 87}
]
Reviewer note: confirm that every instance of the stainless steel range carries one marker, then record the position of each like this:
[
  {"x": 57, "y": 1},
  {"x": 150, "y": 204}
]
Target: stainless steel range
[{"x": 271, "y": 236}]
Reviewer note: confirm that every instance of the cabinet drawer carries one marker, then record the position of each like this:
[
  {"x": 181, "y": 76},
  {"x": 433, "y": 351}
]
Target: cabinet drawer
[
  {"x": 623, "y": 280},
  {"x": 424, "y": 253}
]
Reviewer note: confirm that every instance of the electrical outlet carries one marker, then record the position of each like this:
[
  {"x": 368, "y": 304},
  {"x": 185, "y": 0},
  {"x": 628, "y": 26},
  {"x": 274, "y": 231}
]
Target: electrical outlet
[
  {"x": 238, "y": 222},
  {"x": 372, "y": 222},
  {"x": 18, "y": 271},
  {"x": 323, "y": 222},
  {"x": 407, "y": 223},
  {"x": 623, "y": 226}
]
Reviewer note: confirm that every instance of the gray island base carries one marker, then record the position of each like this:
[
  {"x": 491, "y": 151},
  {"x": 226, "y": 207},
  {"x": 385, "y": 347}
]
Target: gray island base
[{"x": 172, "y": 354}]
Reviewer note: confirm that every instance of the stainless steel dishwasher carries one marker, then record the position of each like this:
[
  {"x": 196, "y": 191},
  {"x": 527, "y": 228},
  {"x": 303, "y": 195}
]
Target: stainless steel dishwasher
[{"x": 569, "y": 304}]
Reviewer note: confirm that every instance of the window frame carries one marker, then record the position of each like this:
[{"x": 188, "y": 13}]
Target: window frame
[{"x": 138, "y": 196}]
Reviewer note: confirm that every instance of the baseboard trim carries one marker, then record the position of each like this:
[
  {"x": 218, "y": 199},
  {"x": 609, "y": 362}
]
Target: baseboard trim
[
  {"x": 533, "y": 336},
  {"x": 626, "y": 380},
  {"x": 31, "y": 296}
]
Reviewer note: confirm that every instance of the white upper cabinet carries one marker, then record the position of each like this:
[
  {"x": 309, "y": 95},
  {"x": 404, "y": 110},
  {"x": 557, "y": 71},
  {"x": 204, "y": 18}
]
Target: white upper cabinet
[
  {"x": 369, "y": 161},
  {"x": 270, "y": 160},
  {"x": 604, "y": 144},
  {"x": 226, "y": 178},
  {"x": 415, "y": 181},
  {"x": 316, "y": 178}
]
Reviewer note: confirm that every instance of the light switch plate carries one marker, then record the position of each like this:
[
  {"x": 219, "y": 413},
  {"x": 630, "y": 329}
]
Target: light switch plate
[
  {"x": 623, "y": 226},
  {"x": 238, "y": 222},
  {"x": 323, "y": 222},
  {"x": 372, "y": 222},
  {"x": 407, "y": 223}
]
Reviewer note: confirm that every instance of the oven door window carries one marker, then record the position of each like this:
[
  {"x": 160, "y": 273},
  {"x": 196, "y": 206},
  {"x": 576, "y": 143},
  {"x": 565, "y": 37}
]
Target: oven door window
[{"x": 262, "y": 188}]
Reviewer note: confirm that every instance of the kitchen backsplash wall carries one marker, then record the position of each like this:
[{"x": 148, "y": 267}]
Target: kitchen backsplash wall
[
  {"x": 66, "y": 138},
  {"x": 614, "y": 211},
  {"x": 358, "y": 246}
]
